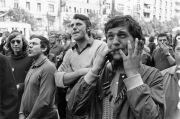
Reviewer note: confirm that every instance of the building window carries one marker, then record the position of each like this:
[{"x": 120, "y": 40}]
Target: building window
[
  {"x": 51, "y": 20},
  {"x": 66, "y": 9},
  {"x": 39, "y": 7},
  {"x": 146, "y": 15},
  {"x": 28, "y": 5},
  {"x": 74, "y": 9},
  {"x": 2, "y": 3},
  {"x": 16, "y": 5},
  {"x": 70, "y": 9},
  {"x": 51, "y": 8},
  {"x": 87, "y": 1},
  {"x": 39, "y": 21}
]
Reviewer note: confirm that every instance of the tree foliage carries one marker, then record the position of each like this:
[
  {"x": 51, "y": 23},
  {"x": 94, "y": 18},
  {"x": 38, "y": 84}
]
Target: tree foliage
[
  {"x": 95, "y": 21},
  {"x": 20, "y": 15},
  {"x": 154, "y": 27}
]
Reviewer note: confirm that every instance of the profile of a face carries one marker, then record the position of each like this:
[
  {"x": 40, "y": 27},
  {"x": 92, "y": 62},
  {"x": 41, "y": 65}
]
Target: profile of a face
[{"x": 177, "y": 50}]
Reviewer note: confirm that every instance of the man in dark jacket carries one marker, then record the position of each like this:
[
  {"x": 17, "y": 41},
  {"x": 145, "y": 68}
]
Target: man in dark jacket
[
  {"x": 124, "y": 88},
  {"x": 19, "y": 60},
  {"x": 8, "y": 91}
]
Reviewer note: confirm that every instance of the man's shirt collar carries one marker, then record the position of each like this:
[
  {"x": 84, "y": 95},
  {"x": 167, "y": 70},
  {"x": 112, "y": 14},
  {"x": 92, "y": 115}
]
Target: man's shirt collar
[
  {"x": 40, "y": 61},
  {"x": 89, "y": 43}
]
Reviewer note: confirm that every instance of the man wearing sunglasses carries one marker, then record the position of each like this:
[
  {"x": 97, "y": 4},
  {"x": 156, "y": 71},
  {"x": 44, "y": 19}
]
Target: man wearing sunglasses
[{"x": 19, "y": 60}]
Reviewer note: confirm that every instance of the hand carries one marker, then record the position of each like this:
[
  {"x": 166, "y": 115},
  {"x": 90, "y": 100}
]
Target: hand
[
  {"x": 59, "y": 57},
  {"x": 100, "y": 61},
  {"x": 131, "y": 62},
  {"x": 21, "y": 116},
  {"x": 83, "y": 71},
  {"x": 164, "y": 47}
]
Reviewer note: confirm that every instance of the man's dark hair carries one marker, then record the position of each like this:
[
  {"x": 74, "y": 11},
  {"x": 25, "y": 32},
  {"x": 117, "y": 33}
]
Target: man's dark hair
[
  {"x": 162, "y": 35},
  {"x": 151, "y": 39},
  {"x": 44, "y": 43},
  {"x": 12, "y": 36},
  {"x": 86, "y": 21},
  {"x": 132, "y": 25},
  {"x": 175, "y": 40}
]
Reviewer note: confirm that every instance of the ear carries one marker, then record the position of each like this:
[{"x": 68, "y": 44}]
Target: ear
[
  {"x": 88, "y": 29},
  {"x": 44, "y": 49}
]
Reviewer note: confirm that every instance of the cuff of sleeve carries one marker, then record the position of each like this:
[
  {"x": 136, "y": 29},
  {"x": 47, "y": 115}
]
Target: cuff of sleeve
[
  {"x": 133, "y": 82},
  {"x": 59, "y": 79},
  {"x": 90, "y": 77},
  {"x": 21, "y": 113}
]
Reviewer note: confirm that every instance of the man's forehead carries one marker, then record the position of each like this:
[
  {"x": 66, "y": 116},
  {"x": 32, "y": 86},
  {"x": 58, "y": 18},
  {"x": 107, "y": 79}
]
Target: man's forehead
[
  {"x": 76, "y": 21},
  {"x": 162, "y": 38},
  {"x": 35, "y": 40},
  {"x": 118, "y": 29},
  {"x": 18, "y": 37}
]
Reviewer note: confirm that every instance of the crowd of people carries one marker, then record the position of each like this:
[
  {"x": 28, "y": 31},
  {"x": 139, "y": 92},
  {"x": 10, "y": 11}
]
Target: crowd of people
[{"x": 121, "y": 77}]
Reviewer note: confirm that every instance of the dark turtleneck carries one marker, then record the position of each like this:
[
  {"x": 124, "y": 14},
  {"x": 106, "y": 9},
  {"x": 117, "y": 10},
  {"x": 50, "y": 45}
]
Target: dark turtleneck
[{"x": 20, "y": 65}]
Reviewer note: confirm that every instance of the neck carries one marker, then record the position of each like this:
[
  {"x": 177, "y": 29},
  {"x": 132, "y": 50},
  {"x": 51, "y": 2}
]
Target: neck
[
  {"x": 52, "y": 44},
  {"x": 35, "y": 58},
  {"x": 82, "y": 43},
  {"x": 17, "y": 53}
]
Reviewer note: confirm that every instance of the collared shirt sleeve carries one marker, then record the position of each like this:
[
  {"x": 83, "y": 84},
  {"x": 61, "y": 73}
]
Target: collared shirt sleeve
[
  {"x": 148, "y": 101},
  {"x": 103, "y": 47},
  {"x": 64, "y": 67},
  {"x": 46, "y": 93},
  {"x": 133, "y": 82}
]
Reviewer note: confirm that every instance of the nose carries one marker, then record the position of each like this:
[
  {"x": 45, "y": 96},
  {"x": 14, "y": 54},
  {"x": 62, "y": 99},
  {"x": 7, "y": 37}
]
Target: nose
[
  {"x": 116, "y": 42},
  {"x": 74, "y": 27},
  {"x": 30, "y": 45},
  {"x": 15, "y": 43}
]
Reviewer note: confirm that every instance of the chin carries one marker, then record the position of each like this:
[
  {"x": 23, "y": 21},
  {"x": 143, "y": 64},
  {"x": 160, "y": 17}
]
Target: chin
[
  {"x": 30, "y": 55},
  {"x": 117, "y": 57}
]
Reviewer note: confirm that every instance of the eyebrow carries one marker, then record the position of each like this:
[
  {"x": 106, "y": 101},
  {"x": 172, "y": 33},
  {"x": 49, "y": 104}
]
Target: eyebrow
[{"x": 119, "y": 32}]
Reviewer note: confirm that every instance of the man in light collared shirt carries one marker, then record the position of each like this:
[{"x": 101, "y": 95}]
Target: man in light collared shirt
[
  {"x": 79, "y": 59},
  {"x": 121, "y": 88}
]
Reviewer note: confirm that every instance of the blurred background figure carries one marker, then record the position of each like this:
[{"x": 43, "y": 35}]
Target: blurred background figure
[
  {"x": 146, "y": 57},
  {"x": 151, "y": 45},
  {"x": 162, "y": 56},
  {"x": 172, "y": 84},
  {"x": 55, "y": 47},
  {"x": 3, "y": 42}
]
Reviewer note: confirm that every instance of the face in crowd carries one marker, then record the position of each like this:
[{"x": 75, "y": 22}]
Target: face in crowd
[
  {"x": 177, "y": 48},
  {"x": 52, "y": 39},
  {"x": 38, "y": 45},
  {"x": 162, "y": 39},
  {"x": 119, "y": 31},
  {"x": 17, "y": 43},
  {"x": 79, "y": 27}
]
